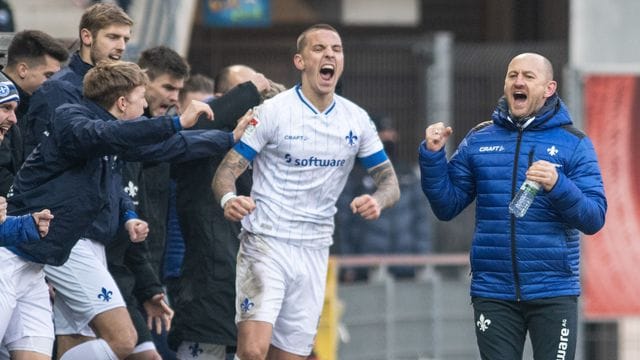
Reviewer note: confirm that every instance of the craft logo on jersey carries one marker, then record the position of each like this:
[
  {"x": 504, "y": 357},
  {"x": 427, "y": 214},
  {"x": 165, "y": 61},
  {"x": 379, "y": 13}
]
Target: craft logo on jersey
[
  {"x": 296, "y": 138},
  {"x": 351, "y": 138}
]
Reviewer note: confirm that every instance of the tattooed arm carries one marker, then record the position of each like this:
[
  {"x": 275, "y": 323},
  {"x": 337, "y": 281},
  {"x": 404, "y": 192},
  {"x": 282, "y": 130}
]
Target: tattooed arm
[
  {"x": 386, "y": 195},
  {"x": 224, "y": 187}
]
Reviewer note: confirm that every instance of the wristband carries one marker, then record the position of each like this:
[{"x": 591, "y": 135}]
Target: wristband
[{"x": 226, "y": 197}]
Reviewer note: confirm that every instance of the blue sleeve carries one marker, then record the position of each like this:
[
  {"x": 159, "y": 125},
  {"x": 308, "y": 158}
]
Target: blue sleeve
[
  {"x": 245, "y": 150},
  {"x": 579, "y": 194},
  {"x": 449, "y": 187},
  {"x": 374, "y": 159},
  {"x": 77, "y": 131},
  {"x": 176, "y": 123},
  {"x": 127, "y": 213},
  {"x": 174, "y": 247},
  {"x": 18, "y": 229},
  {"x": 183, "y": 146}
]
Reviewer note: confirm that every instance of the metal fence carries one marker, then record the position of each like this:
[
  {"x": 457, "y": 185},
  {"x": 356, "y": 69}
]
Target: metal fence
[{"x": 428, "y": 317}]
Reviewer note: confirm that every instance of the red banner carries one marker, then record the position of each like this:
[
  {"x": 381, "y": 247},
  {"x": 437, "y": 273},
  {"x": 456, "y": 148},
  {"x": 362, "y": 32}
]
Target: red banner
[{"x": 611, "y": 257}]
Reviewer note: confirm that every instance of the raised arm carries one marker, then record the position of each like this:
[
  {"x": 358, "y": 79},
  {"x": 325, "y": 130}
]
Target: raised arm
[
  {"x": 224, "y": 187},
  {"x": 386, "y": 195}
]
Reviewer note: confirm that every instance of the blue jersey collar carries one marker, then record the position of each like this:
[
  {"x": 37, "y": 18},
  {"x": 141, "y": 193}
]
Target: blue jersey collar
[{"x": 308, "y": 103}]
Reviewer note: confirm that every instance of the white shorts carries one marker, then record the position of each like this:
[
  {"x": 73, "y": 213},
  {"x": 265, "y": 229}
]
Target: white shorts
[
  {"x": 25, "y": 309},
  {"x": 144, "y": 346},
  {"x": 283, "y": 285},
  {"x": 190, "y": 350},
  {"x": 84, "y": 288}
]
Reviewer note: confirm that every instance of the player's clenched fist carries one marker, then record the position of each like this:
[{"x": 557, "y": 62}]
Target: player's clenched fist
[
  {"x": 367, "y": 206},
  {"x": 238, "y": 207},
  {"x": 137, "y": 229}
]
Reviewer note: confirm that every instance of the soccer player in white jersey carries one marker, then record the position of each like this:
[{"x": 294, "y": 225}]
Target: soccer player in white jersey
[{"x": 303, "y": 144}]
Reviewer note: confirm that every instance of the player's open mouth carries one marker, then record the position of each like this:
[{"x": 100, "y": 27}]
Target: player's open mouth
[
  {"x": 3, "y": 131},
  {"x": 327, "y": 71}
]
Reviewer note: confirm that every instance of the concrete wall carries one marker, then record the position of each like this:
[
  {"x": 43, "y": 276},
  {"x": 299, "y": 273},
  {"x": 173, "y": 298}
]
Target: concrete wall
[
  {"x": 603, "y": 36},
  {"x": 59, "y": 18}
]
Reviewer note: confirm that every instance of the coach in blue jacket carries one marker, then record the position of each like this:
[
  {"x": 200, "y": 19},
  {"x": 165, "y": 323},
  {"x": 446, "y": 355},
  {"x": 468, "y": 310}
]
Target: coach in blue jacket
[{"x": 525, "y": 271}]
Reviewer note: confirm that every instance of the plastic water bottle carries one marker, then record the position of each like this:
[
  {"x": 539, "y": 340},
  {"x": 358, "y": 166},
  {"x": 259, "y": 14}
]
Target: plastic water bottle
[{"x": 524, "y": 198}]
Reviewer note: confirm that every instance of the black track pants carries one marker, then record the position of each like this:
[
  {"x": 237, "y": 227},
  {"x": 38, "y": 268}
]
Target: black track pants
[{"x": 501, "y": 328}]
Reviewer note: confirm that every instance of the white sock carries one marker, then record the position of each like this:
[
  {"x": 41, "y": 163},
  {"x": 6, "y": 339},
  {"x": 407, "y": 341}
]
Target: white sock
[{"x": 97, "y": 349}]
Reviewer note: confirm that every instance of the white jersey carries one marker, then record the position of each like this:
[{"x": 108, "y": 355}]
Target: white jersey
[{"x": 301, "y": 161}]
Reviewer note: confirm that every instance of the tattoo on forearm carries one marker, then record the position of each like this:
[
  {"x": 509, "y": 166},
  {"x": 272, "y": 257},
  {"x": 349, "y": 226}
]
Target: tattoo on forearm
[
  {"x": 231, "y": 167},
  {"x": 387, "y": 188}
]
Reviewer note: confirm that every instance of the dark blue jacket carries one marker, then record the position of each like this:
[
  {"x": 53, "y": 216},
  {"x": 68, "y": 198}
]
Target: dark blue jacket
[
  {"x": 174, "y": 246},
  {"x": 537, "y": 256},
  {"x": 18, "y": 229},
  {"x": 204, "y": 299},
  {"x": 64, "y": 87},
  {"x": 76, "y": 173},
  {"x": 12, "y": 148}
]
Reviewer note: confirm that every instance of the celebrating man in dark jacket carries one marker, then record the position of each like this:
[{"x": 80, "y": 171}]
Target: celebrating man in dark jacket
[
  {"x": 525, "y": 270},
  {"x": 76, "y": 170}
]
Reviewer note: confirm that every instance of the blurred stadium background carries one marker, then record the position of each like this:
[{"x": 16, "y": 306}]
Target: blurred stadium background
[{"x": 422, "y": 61}]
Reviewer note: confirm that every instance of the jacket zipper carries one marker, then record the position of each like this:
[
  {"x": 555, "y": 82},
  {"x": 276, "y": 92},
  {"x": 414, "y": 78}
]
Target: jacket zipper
[{"x": 514, "y": 182}]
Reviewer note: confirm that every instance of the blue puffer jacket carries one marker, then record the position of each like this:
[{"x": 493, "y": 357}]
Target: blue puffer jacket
[
  {"x": 537, "y": 256},
  {"x": 18, "y": 229}
]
